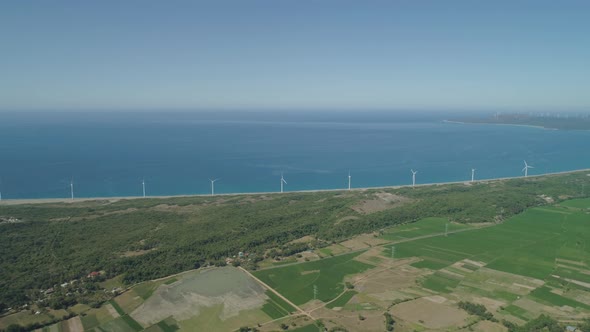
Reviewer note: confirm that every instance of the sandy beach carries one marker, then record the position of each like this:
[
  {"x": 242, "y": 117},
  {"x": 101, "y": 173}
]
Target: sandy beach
[{"x": 114, "y": 199}]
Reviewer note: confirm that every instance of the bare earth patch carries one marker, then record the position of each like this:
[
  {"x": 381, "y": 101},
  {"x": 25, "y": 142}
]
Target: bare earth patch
[
  {"x": 547, "y": 199},
  {"x": 111, "y": 310},
  {"x": 75, "y": 324},
  {"x": 305, "y": 239},
  {"x": 228, "y": 286},
  {"x": 363, "y": 241},
  {"x": 380, "y": 201},
  {"x": 429, "y": 314},
  {"x": 487, "y": 326},
  {"x": 136, "y": 252}
]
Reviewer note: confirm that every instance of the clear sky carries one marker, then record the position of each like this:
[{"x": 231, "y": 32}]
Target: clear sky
[{"x": 283, "y": 54}]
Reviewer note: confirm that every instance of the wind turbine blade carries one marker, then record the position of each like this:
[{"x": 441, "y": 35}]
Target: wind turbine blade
[{"x": 524, "y": 169}]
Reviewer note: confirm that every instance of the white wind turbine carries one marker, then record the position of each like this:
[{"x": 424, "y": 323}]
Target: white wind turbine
[
  {"x": 282, "y": 181},
  {"x": 472, "y": 174},
  {"x": 143, "y": 186},
  {"x": 349, "y": 180},
  {"x": 413, "y": 177},
  {"x": 526, "y": 169},
  {"x": 72, "y": 188},
  {"x": 213, "y": 186}
]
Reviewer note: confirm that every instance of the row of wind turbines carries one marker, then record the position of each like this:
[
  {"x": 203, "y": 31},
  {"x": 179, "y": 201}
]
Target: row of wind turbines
[{"x": 283, "y": 182}]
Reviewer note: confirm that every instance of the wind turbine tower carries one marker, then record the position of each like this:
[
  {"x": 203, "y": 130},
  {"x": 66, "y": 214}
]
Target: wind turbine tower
[
  {"x": 213, "y": 186},
  {"x": 526, "y": 169},
  {"x": 413, "y": 177},
  {"x": 282, "y": 182},
  {"x": 348, "y": 180},
  {"x": 143, "y": 186},
  {"x": 72, "y": 188},
  {"x": 472, "y": 174}
]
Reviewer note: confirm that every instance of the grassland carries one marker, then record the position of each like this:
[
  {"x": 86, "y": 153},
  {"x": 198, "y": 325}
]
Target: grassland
[
  {"x": 296, "y": 282},
  {"x": 423, "y": 227},
  {"x": 276, "y": 307},
  {"x": 528, "y": 244},
  {"x": 537, "y": 262},
  {"x": 342, "y": 300}
]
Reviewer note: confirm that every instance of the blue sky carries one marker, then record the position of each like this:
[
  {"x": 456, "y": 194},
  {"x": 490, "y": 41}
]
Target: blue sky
[{"x": 282, "y": 54}]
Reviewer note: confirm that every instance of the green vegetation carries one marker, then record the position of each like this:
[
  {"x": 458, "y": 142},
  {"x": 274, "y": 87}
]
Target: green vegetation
[
  {"x": 276, "y": 307},
  {"x": 423, "y": 227},
  {"x": 389, "y": 322},
  {"x": 132, "y": 323},
  {"x": 581, "y": 203},
  {"x": 170, "y": 281},
  {"x": 168, "y": 327},
  {"x": 296, "y": 282},
  {"x": 307, "y": 328},
  {"x": 476, "y": 309},
  {"x": 342, "y": 300},
  {"x": 527, "y": 244},
  {"x": 541, "y": 323},
  {"x": 117, "y": 308},
  {"x": 439, "y": 282},
  {"x": 545, "y": 294},
  {"x": 125, "y": 317},
  {"x": 144, "y": 239}
]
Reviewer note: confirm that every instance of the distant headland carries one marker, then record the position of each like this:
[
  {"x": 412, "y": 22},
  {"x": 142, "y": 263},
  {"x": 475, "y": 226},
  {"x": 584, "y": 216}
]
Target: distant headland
[{"x": 557, "y": 121}]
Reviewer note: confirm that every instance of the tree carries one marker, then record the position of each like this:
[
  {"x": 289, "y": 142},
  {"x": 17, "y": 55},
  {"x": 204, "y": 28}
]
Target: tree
[{"x": 15, "y": 328}]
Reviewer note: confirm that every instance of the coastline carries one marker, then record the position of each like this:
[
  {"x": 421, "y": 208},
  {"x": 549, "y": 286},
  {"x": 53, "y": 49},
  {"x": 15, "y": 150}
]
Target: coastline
[
  {"x": 500, "y": 124},
  {"x": 114, "y": 199}
]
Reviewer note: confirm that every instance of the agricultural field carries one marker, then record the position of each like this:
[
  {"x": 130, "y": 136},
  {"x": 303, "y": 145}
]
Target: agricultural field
[
  {"x": 535, "y": 263},
  {"x": 423, "y": 227},
  {"x": 518, "y": 247},
  {"x": 296, "y": 282},
  {"x": 219, "y": 299}
]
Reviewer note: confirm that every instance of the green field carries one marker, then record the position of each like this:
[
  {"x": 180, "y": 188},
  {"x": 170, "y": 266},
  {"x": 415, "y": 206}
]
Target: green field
[
  {"x": 581, "y": 203},
  {"x": 527, "y": 244},
  {"x": 307, "y": 328},
  {"x": 426, "y": 226},
  {"x": 342, "y": 300},
  {"x": 545, "y": 294},
  {"x": 276, "y": 307},
  {"x": 296, "y": 282},
  {"x": 440, "y": 283}
]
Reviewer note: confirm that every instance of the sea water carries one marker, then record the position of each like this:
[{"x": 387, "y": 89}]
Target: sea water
[{"x": 110, "y": 153}]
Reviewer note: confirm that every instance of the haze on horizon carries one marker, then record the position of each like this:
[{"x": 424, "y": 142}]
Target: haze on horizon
[{"x": 463, "y": 55}]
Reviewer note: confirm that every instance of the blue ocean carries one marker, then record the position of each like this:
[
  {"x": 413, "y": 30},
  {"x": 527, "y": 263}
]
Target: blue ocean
[{"x": 110, "y": 153}]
